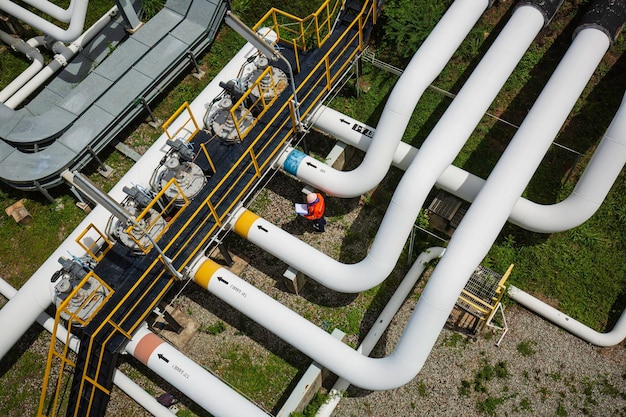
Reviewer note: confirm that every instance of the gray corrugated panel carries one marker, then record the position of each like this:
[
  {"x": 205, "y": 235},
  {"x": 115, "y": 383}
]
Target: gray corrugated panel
[
  {"x": 106, "y": 41},
  {"x": 122, "y": 94},
  {"x": 161, "y": 57},
  {"x": 8, "y": 119},
  {"x": 157, "y": 27},
  {"x": 188, "y": 32},
  {"x": 90, "y": 125},
  {"x": 5, "y": 151},
  {"x": 202, "y": 11},
  {"x": 22, "y": 167},
  {"x": 178, "y": 6},
  {"x": 85, "y": 93},
  {"x": 121, "y": 59},
  {"x": 34, "y": 129},
  {"x": 44, "y": 100}
]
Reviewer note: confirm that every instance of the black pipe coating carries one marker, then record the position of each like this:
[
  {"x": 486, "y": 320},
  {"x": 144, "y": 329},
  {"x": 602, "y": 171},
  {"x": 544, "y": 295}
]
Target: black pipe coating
[{"x": 608, "y": 16}]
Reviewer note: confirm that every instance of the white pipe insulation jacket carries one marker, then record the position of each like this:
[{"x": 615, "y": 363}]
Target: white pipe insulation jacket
[
  {"x": 439, "y": 150},
  {"x": 73, "y": 31},
  {"x": 590, "y": 191},
  {"x": 421, "y": 71},
  {"x": 390, "y": 372},
  {"x": 486, "y": 216},
  {"x": 197, "y": 383}
]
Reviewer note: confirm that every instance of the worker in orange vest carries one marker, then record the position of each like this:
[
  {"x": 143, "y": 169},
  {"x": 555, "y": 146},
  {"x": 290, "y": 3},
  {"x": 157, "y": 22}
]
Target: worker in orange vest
[{"x": 315, "y": 207}]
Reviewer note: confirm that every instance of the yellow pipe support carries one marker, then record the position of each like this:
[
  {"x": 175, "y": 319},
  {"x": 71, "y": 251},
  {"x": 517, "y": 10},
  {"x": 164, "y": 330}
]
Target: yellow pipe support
[
  {"x": 244, "y": 222},
  {"x": 206, "y": 271}
]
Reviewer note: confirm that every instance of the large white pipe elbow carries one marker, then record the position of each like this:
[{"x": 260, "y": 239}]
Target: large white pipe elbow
[
  {"x": 590, "y": 191},
  {"x": 421, "y": 71},
  {"x": 390, "y": 372}
]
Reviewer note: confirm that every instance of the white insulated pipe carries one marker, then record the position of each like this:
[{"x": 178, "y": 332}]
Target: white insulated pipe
[
  {"x": 52, "y": 10},
  {"x": 370, "y": 373},
  {"x": 590, "y": 191},
  {"x": 32, "y": 53},
  {"x": 62, "y": 56},
  {"x": 487, "y": 215},
  {"x": 421, "y": 71},
  {"x": 382, "y": 322},
  {"x": 73, "y": 31},
  {"x": 438, "y": 151},
  {"x": 122, "y": 381},
  {"x": 197, "y": 383},
  {"x": 573, "y": 326}
]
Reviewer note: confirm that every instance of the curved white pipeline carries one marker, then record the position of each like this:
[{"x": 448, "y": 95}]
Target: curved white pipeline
[
  {"x": 77, "y": 21},
  {"x": 63, "y": 55},
  {"x": 492, "y": 206},
  {"x": 573, "y": 326},
  {"x": 439, "y": 150},
  {"x": 587, "y": 196},
  {"x": 370, "y": 373},
  {"x": 381, "y": 323},
  {"x": 52, "y": 10},
  {"x": 421, "y": 71},
  {"x": 123, "y": 382},
  {"x": 193, "y": 380},
  {"x": 36, "y": 65}
]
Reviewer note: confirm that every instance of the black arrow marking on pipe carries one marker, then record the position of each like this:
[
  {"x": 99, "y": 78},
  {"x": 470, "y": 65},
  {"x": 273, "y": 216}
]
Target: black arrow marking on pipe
[
  {"x": 311, "y": 165},
  {"x": 344, "y": 121},
  {"x": 262, "y": 228},
  {"x": 163, "y": 358},
  {"x": 220, "y": 279}
]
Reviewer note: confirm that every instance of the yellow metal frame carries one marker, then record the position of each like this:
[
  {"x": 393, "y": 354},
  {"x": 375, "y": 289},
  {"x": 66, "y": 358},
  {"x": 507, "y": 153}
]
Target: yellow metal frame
[
  {"x": 485, "y": 309},
  {"x": 73, "y": 320},
  {"x": 169, "y": 206},
  {"x": 261, "y": 105},
  {"x": 196, "y": 127},
  {"x": 99, "y": 247}
]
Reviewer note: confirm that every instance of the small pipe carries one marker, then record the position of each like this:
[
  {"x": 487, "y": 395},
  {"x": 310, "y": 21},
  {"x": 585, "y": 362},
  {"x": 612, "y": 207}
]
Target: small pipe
[
  {"x": 63, "y": 55},
  {"x": 52, "y": 10},
  {"x": 586, "y": 333},
  {"x": 77, "y": 21},
  {"x": 381, "y": 324},
  {"x": 31, "y": 53}
]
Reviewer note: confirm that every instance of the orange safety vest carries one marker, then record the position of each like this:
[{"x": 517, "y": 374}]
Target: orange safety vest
[{"x": 316, "y": 209}]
